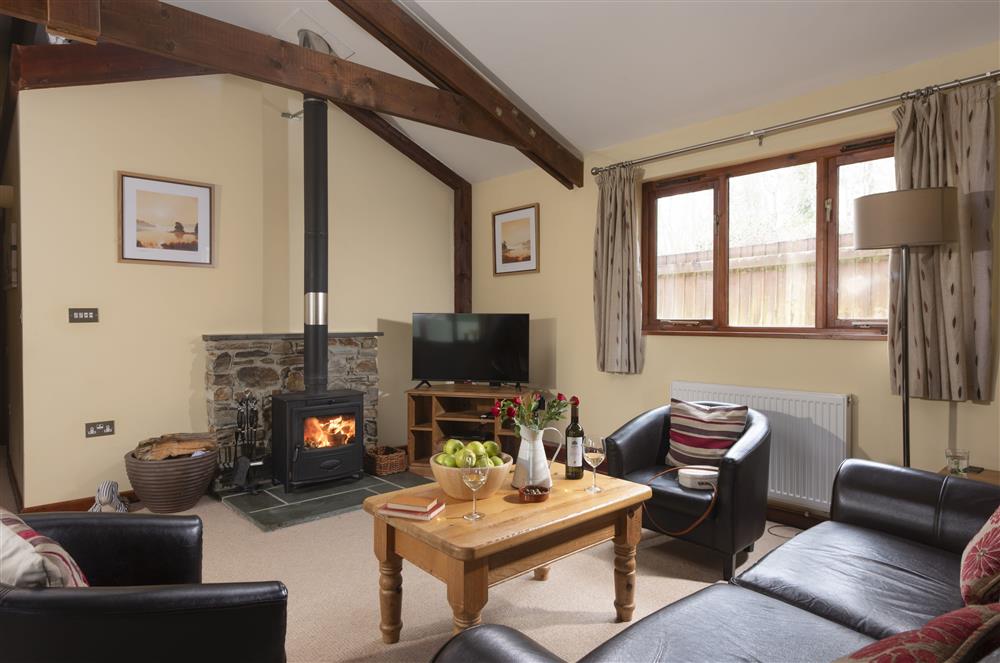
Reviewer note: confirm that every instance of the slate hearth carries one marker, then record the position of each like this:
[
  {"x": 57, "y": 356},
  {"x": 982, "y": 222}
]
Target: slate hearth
[{"x": 273, "y": 508}]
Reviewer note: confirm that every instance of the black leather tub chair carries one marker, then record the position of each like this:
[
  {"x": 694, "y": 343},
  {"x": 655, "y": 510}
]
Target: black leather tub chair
[
  {"x": 637, "y": 451},
  {"x": 146, "y": 601}
]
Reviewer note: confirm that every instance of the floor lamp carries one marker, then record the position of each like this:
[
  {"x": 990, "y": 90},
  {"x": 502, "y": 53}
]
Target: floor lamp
[{"x": 903, "y": 219}]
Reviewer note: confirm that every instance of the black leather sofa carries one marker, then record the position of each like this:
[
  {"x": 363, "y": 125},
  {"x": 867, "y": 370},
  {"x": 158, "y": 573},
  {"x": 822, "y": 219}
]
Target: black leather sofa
[
  {"x": 637, "y": 452},
  {"x": 886, "y": 562},
  {"x": 146, "y": 601}
]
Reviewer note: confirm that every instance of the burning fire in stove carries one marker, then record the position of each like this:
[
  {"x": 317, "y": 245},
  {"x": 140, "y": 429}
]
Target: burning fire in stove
[{"x": 322, "y": 432}]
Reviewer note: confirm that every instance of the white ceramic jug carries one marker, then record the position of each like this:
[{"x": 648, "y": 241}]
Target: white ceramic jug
[{"x": 532, "y": 468}]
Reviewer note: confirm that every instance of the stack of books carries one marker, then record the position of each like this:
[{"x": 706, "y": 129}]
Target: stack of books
[{"x": 414, "y": 507}]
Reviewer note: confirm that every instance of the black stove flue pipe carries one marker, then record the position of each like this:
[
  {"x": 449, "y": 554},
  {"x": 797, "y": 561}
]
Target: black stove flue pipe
[{"x": 316, "y": 248}]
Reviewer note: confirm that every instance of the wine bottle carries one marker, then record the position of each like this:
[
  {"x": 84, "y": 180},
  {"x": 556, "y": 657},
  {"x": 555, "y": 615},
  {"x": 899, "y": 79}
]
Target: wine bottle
[{"x": 574, "y": 445}]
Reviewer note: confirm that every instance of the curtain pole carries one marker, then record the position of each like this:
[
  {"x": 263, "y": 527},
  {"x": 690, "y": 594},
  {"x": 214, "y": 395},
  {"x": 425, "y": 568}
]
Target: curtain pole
[{"x": 760, "y": 134}]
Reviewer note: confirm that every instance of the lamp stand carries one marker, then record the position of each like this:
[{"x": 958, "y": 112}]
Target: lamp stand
[{"x": 904, "y": 391}]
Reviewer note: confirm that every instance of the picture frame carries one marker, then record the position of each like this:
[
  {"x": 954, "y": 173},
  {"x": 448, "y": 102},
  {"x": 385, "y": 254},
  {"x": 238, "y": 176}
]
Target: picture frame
[
  {"x": 515, "y": 240},
  {"x": 165, "y": 221}
]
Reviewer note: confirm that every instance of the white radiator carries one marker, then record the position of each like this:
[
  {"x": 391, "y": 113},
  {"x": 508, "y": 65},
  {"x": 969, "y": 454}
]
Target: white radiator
[{"x": 810, "y": 437}]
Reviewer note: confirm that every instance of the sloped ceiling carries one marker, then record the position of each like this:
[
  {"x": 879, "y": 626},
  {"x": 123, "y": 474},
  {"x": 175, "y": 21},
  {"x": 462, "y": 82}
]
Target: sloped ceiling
[{"x": 601, "y": 73}]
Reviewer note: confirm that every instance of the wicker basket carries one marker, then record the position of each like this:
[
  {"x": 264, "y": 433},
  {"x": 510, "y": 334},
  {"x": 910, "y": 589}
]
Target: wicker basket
[
  {"x": 381, "y": 461},
  {"x": 172, "y": 484}
]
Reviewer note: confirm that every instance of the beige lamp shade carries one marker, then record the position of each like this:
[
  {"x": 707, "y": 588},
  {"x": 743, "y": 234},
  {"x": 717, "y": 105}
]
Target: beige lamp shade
[{"x": 912, "y": 217}]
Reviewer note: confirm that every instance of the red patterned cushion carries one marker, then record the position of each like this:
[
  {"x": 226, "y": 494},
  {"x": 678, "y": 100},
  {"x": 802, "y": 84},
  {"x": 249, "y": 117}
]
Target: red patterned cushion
[
  {"x": 980, "y": 578},
  {"x": 943, "y": 639},
  {"x": 701, "y": 434},
  {"x": 32, "y": 560}
]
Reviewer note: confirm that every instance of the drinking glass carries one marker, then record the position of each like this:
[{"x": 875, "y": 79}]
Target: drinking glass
[
  {"x": 593, "y": 453},
  {"x": 958, "y": 461},
  {"x": 474, "y": 478}
]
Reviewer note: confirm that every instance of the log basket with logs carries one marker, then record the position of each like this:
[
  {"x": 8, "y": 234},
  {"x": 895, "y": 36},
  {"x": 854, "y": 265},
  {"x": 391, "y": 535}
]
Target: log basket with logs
[{"x": 171, "y": 472}]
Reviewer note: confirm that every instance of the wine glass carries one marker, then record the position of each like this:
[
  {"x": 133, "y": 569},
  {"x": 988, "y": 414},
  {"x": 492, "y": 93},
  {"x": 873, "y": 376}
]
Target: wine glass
[
  {"x": 474, "y": 478},
  {"x": 593, "y": 453}
]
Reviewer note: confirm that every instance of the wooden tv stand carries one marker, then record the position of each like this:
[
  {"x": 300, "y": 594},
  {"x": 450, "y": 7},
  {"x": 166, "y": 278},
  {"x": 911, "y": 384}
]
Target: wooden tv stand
[{"x": 439, "y": 412}]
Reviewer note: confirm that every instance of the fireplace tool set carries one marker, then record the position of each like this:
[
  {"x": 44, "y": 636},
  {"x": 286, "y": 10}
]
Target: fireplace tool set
[{"x": 248, "y": 454}]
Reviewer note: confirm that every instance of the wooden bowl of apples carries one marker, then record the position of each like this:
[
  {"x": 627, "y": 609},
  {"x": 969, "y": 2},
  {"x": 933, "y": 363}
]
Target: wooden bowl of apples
[{"x": 447, "y": 468}]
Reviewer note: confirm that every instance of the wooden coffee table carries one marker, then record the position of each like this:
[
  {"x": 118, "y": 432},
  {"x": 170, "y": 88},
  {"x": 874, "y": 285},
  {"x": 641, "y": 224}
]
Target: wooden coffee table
[{"x": 512, "y": 539}]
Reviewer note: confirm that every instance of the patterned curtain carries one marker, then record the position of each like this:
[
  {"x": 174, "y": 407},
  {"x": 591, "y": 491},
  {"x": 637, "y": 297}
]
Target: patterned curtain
[
  {"x": 617, "y": 277},
  {"x": 947, "y": 139}
]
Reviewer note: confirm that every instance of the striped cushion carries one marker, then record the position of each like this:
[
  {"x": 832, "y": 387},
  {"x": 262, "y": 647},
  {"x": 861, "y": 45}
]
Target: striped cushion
[
  {"x": 701, "y": 435},
  {"x": 28, "y": 559}
]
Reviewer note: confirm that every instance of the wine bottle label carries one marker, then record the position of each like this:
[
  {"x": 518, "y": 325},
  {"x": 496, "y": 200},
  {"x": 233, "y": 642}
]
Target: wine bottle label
[{"x": 574, "y": 452}]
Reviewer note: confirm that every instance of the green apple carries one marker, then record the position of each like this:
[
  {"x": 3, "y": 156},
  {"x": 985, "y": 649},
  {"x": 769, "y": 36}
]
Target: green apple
[
  {"x": 453, "y": 445},
  {"x": 492, "y": 448},
  {"x": 497, "y": 461},
  {"x": 483, "y": 461},
  {"x": 476, "y": 448},
  {"x": 445, "y": 460},
  {"x": 465, "y": 458}
]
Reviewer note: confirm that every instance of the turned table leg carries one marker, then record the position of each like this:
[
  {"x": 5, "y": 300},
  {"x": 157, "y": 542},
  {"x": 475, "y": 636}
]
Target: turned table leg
[
  {"x": 628, "y": 529},
  {"x": 542, "y": 573},
  {"x": 467, "y": 592},
  {"x": 390, "y": 582}
]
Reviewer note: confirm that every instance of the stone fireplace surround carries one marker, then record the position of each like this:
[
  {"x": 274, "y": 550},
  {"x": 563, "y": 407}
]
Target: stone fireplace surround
[{"x": 269, "y": 363}]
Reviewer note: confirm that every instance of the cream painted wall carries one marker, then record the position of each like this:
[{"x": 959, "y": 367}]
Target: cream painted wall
[
  {"x": 143, "y": 364},
  {"x": 561, "y": 293}
]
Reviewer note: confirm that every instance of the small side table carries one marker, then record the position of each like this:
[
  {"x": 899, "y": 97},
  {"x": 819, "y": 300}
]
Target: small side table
[{"x": 986, "y": 476}]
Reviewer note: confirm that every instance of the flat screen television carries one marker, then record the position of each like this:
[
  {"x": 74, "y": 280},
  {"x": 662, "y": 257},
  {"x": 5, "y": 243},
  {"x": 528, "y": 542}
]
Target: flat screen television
[{"x": 474, "y": 347}]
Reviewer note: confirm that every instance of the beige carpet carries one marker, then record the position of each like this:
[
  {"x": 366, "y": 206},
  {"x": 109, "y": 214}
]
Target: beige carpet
[{"x": 331, "y": 574}]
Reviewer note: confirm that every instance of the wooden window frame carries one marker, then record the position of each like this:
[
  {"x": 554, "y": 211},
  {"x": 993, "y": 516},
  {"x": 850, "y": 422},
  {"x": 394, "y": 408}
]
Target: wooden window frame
[
  {"x": 828, "y": 325},
  {"x": 834, "y": 321},
  {"x": 650, "y": 195}
]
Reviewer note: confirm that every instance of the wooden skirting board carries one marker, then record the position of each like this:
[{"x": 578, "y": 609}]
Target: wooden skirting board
[{"x": 82, "y": 504}]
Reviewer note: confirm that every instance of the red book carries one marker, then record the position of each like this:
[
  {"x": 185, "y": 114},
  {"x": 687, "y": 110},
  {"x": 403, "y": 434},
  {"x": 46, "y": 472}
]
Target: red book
[{"x": 412, "y": 515}]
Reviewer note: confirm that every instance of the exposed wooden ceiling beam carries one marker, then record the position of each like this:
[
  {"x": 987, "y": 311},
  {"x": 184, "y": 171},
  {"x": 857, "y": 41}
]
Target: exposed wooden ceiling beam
[
  {"x": 406, "y": 37},
  {"x": 75, "y": 19},
  {"x": 462, "y": 241},
  {"x": 62, "y": 65},
  {"x": 171, "y": 32}
]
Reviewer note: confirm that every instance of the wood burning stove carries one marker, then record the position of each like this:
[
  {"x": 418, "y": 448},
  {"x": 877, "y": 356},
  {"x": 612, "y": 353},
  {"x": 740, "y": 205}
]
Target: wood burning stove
[{"x": 317, "y": 435}]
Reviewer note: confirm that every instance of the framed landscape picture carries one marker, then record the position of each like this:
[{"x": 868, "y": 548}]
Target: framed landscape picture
[
  {"x": 515, "y": 240},
  {"x": 164, "y": 221}
]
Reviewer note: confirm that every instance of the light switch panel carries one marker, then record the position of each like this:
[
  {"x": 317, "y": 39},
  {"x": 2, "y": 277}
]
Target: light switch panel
[{"x": 83, "y": 315}]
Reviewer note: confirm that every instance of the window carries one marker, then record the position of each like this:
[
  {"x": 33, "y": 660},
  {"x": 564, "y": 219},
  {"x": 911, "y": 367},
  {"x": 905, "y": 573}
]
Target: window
[
  {"x": 766, "y": 248},
  {"x": 862, "y": 276},
  {"x": 685, "y": 231}
]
